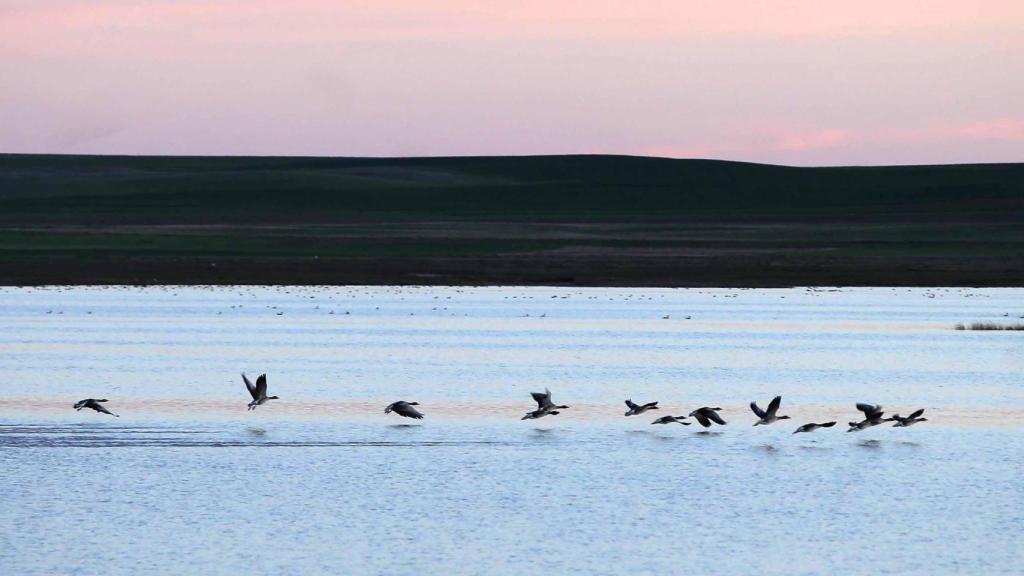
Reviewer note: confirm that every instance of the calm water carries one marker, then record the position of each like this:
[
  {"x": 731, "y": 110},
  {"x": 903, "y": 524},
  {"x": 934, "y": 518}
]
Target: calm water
[{"x": 322, "y": 482}]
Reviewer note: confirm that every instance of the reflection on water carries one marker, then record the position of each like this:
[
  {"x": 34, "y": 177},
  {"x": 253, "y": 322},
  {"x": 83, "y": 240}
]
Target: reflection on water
[
  {"x": 452, "y": 494},
  {"x": 85, "y": 436}
]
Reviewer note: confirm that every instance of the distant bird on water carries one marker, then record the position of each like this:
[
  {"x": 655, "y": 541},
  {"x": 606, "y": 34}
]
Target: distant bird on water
[
  {"x": 403, "y": 408},
  {"x": 768, "y": 416},
  {"x": 812, "y": 427},
  {"x": 258, "y": 392},
  {"x": 909, "y": 420},
  {"x": 636, "y": 409},
  {"x": 705, "y": 416},
  {"x": 95, "y": 405},
  {"x": 872, "y": 417},
  {"x": 544, "y": 406},
  {"x": 671, "y": 419}
]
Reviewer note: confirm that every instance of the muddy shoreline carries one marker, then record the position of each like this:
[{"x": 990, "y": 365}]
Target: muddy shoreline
[{"x": 756, "y": 271}]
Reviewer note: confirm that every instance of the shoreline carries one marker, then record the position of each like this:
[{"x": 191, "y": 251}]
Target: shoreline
[{"x": 612, "y": 271}]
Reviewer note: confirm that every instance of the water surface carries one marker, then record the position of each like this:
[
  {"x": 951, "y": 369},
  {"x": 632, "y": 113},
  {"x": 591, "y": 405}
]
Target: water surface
[{"x": 322, "y": 482}]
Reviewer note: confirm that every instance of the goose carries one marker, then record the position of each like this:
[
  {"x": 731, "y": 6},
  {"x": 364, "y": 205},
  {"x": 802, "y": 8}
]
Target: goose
[
  {"x": 812, "y": 427},
  {"x": 258, "y": 392},
  {"x": 768, "y": 416},
  {"x": 544, "y": 406},
  {"x": 635, "y": 409},
  {"x": 705, "y": 416},
  {"x": 671, "y": 419},
  {"x": 909, "y": 420},
  {"x": 872, "y": 417},
  {"x": 94, "y": 403},
  {"x": 403, "y": 408}
]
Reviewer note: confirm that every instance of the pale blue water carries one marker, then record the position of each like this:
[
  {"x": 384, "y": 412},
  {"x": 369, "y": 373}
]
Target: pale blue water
[{"x": 322, "y": 482}]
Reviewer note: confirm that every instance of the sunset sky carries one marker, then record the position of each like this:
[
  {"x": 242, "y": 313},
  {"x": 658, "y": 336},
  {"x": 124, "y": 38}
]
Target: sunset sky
[{"x": 784, "y": 81}]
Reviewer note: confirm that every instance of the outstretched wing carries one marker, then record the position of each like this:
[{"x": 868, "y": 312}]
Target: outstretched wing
[
  {"x": 715, "y": 417},
  {"x": 916, "y": 414},
  {"x": 774, "y": 406},
  {"x": 632, "y": 405},
  {"x": 249, "y": 386},
  {"x": 390, "y": 407},
  {"x": 541, "y": 398},
  {"x": 702, "y": 419},
  {"x": 99, "y": 408},
  {"x": 261, "y": 386},
  {"x": 870, "y": 410},
  {"x": 827, "y": 425},
  {"x": 757, "y": 410},
  {"x": 408, "y": 411}
]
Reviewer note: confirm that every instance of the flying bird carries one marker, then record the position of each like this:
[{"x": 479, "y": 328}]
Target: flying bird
[
  {"x": 636, "y": 409},
  {"x": 705, "y": 416},
  {"x": 812, "y": 427},
  {"x": 258, "y": 392},
  {"x": 544, "y": 406},
  {"x": 768, "y": 416},
  {"x": 909, "y": 420},
  {"x": 671, "y": 419},
  {"x": 872, "y": 417},
  {"x": 94, "y": 403},
  {"x": 403, "y": 408}
]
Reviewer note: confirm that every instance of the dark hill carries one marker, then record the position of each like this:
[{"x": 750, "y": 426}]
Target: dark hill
[{"x": 595, "y": 220}]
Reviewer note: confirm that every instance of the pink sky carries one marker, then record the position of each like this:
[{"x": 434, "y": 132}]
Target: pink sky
[{"x": 783, "y": 81}]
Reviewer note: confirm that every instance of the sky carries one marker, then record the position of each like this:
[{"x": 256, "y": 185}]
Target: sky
[{"x": 816, "y": 82}]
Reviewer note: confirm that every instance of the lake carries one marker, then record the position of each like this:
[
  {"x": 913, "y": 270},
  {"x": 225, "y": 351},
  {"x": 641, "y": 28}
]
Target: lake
[{"x": 321, "y": 481}]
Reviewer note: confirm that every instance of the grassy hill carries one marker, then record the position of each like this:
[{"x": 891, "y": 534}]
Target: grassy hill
[{"x": 593, "y": 220}]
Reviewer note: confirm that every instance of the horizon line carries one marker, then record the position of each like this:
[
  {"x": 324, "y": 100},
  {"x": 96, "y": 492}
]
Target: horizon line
[{"x": 487, "y": 156}]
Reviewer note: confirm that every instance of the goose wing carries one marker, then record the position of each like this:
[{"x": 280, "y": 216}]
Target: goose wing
[
  {"x": 540, "y": 398},
  {"x": 715, "y": 417},
  {"x": 250, "y": 387},
  {"x": 827, "y": 424},
  {"x": 390, "y": 407},
  {"x": 916, "y": 414},
  {"x": 543, "y": 400},
  {"x": 261, "y": 386},
  {"x": 870, "y": 410},
  {"x": 651, "y": 405},
  {"x": 702, "y": 419},
  {"x": 632, "y": 405},
  {"x": 757, "y": 410},
  {"x": 404, "y": 409},
  {"x": 81, "y": 404},
  {"x": 773, "y": 407}
]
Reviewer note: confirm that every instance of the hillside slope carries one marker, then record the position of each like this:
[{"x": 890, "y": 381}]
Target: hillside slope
[{"x": 594, "y": 220}]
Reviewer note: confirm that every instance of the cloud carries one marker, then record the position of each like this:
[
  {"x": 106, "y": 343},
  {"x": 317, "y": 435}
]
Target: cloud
[
  {"x": 791, "y": 81},
  {"x": 1002, "y": 129},
  {"x": 815, "y": 140},
  {"x": 767, "y": 143}
]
